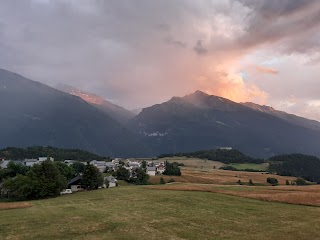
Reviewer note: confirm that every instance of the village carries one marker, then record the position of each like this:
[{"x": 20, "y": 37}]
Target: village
[{"x": 107, "y": 168}]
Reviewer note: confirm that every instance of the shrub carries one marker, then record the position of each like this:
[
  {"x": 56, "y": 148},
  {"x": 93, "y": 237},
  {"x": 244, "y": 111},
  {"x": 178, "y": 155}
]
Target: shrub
[
  {"x": 230, "y": 168},
  {"x": 239, "y": 182},
  {"x": 162, "y": 181},
  {"x": 171, "y": 180},
  {"x": 250, "y": 182},
  {"x": 301, "y": 182},
  {"x": 272, "y": 181}
]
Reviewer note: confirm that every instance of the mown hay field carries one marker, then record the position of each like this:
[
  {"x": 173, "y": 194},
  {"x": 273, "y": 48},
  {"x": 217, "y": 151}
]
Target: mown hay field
[
  {"x": 138, "y": 212},
  {"x": 214, "y": 176}
]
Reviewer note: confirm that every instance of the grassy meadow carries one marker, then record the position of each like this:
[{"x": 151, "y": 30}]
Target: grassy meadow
[
  {"x": 139, "y": 212},
  {"x": 254, "y": 166}
]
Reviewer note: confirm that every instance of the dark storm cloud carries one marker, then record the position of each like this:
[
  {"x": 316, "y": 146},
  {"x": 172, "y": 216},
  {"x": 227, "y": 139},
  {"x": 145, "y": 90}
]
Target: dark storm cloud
[{"x": 293, "y": 22}]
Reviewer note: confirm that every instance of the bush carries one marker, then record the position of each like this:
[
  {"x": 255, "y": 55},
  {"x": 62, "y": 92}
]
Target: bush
[
  {"x": 171, "y": 180},
  {"x": 162, "y": 181},
  {"x": 272, "y": 181},
  {"x": 301, "y": 182},
  {"x": 287, "y": 182},
  {"x": 250, "y": 182},
  {"x": 239, "y": 182},
  {"x": 230, "y": 168}
]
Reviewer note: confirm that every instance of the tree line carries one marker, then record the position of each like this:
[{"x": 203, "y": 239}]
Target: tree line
[
  {"x": 59, "y": 154},
  {"x": 298, "y": 165},
  {"x": 221, "y": 155},
  {"x": 46, "y": 179}
]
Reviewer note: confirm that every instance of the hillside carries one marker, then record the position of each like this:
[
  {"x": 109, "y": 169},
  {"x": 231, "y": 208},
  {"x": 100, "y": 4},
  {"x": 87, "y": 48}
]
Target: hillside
[
  {"x": 33, "y": 114},
  {"x": 201, "y": 121},
  {"x": 298, "y": 165},
  {"x": 59, "y": 154},
  {"x": 114, "y": 111}
]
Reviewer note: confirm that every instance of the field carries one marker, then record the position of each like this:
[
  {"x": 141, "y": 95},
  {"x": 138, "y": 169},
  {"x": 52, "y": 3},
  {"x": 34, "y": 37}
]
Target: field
[
  {"x": 254, "y": 166},
  {"x": 213, "y": 176},
  {"x": 302, "y": 195},
  {"x": 195, "y": 162},
  {"x": 132, "y": 212}
]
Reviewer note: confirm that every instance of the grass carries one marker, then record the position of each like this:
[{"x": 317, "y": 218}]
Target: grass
[
  {"x": 142, "y": 213},
  {"x": 195, "y": 162},
  {"x": 302, "y": 195},
  {"x": 254, "y": 166}
]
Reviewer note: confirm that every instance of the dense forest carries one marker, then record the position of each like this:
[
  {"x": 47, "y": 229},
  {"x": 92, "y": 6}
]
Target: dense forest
[
  {"x": 58, "y": 154},
  {"x": 221, "y": 155},
  {"x": 298, "y": 165}
]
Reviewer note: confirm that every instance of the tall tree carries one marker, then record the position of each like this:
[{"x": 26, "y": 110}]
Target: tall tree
[{"x": 91, "y": 177}]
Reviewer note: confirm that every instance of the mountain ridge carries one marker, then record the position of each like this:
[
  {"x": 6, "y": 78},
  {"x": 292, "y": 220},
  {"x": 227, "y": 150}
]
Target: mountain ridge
[
  {"x": 200, "y": 121},
  {"x": 34, "y": 114},
  {"x": 116, "y": 112}
]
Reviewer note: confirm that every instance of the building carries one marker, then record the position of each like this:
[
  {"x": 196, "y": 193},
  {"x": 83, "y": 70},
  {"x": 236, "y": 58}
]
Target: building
[
  {"x": 116, "y": 161},
  {"x": 101, "y": 165},
  {"x": 110, "y": 166},
  {"x": 112, "y": 182},
  {"x": 151, "y": 171},
  {"x": 160, "y": 169},
  {"x": 69, "y": 162},
  {"x": 134, "y": 165},
  {"x": 30, "y": 162},
  {"x": 225, "y": 148},
  {"x": 42, "y": 159},
  {"x": 4, "y": 163},
  {"x": 75, "y": 184}
]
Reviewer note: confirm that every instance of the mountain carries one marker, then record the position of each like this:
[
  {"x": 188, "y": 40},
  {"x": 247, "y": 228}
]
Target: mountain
[
  {"x": 200, "y": 121},
  {"x": 33, "y": 114},
  {"x": 116, "y": 112},
  {"x": 291, "y": 118},
  {"x": 136, "y": 111}
]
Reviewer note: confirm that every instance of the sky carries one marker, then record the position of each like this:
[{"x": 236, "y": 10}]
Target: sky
[{"x": 137, "y": 53}]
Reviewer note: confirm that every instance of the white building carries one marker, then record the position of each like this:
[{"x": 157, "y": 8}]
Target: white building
[
  {"x": 111, "y": 166},
  {"x": 160, "y": 169},
  {"x": 42, "y": 159},
  {"x": 4, "y": 163},
  {"x": 116, "y": 161},
  {"x": 151, "y": 171},
  {"x": 112, "y": 182},
  {"x": 226, "y": 148},
  {"x": 101, "y": 165},
  {"x": 70, "y": 162}
]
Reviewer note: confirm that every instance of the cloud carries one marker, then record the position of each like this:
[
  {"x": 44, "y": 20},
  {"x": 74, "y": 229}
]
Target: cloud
[
  {"x": 144, "y": 52},
  {"x": 199, "y": 49},
  {"x": 266, "y": 70}
]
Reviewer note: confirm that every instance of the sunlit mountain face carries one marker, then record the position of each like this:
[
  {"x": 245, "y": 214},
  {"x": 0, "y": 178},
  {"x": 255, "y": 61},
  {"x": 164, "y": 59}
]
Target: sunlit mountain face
[
  {"x": 88, "y": 97},
  {"x": 116, "y": 112}
]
